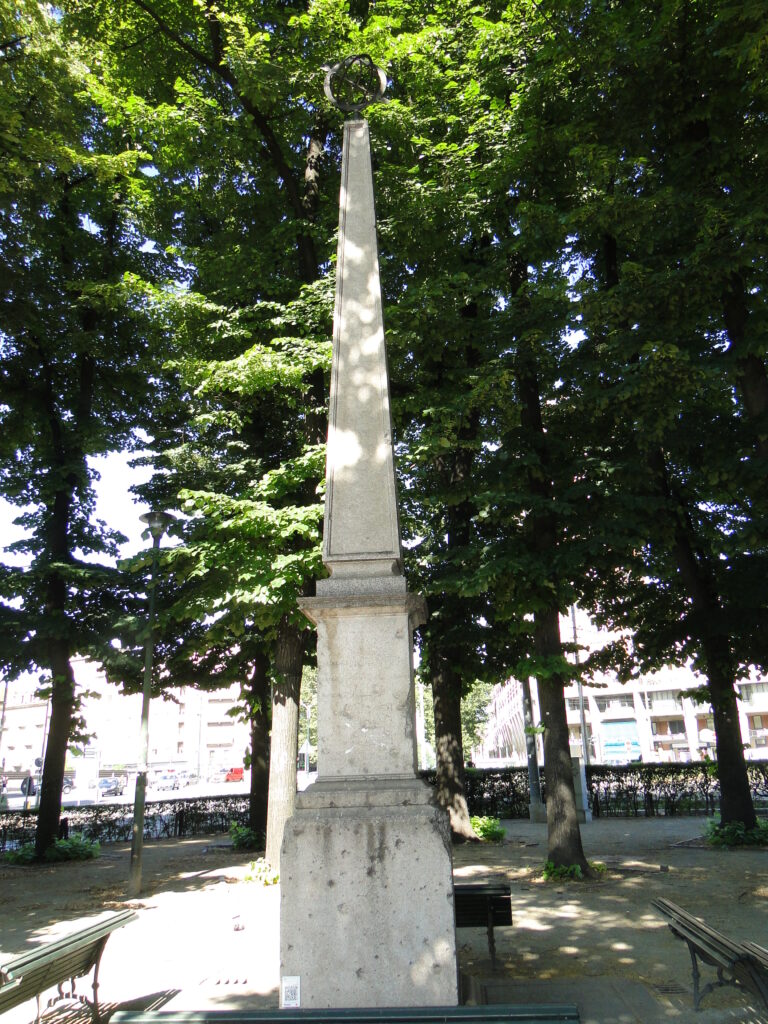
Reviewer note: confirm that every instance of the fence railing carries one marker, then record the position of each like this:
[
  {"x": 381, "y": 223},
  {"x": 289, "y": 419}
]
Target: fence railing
[
  {"x": 621, "y": 791},
  {"x": 615, "y": 791},
  {"x": 113, "y": 823}
]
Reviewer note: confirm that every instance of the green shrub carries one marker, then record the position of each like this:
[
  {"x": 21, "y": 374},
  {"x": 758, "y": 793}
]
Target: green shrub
[
  {"x": 24, "y": 855},
  {"x": 490, "y": 830},
  {"x": 734, "y": 834},
  {"x": 244, "y": 838},
  {"x": 261, "y": 872},
  {"x": 74, "y": 848},
  {"x": 569, "y": 872}
]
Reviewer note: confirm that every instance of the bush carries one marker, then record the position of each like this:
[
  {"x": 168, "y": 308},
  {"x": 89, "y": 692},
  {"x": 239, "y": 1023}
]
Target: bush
[
  {"x": 734, "y": 834},
  {"x": 244, "y": 838},
  {"x": 74, "y": 848},
  {"x": 571, "y": 871},
  {"x": 23, "y": 855},
  {"x": 490, "y": 830}
]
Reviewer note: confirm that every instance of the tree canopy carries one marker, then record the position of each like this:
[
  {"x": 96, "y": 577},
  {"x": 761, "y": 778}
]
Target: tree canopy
[{"x": 571, "y": 216}]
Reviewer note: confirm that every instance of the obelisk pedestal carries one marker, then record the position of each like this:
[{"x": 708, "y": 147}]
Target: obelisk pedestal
[{"x": 366, "y": 876}]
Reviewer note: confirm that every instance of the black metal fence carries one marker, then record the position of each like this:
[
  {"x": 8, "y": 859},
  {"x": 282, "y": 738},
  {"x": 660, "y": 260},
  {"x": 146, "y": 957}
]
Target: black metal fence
[
  {"x": 620, "y": 791},
  {"x": 112, "y": 823},
  {"x": 623, "y": 791}
]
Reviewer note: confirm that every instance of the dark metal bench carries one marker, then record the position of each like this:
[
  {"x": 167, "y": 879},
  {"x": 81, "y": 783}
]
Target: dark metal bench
[
  {"x": 483, "y": 905},
  {"x": 29, "y": 975},
  {"x": 496, "y": 1014},
  {"x": 736, "y": 963}
]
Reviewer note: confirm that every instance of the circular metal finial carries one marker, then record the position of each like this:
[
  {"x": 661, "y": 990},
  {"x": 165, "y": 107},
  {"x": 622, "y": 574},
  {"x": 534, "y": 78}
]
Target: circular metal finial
[{"x": 355, "y": 83}]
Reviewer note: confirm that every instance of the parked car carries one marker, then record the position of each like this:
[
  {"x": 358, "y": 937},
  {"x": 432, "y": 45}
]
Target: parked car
[
  {"x": 234, "y": 775},
  {"x": 110, "y": 787},
  {"x": 167, "y": 780},
  {"x": 188, "y": 778},
  {"x": 68, "y": 784}
]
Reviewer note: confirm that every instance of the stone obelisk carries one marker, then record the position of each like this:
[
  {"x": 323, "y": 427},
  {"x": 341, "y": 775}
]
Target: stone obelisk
[{"x": 366, "y": 877}]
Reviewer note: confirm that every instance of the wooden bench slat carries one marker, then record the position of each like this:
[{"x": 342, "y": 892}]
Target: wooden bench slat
[
  {"x": 745, "y": 963},
  {"x": 757, "y": 952},
  {"x": 73, "y": 956}
]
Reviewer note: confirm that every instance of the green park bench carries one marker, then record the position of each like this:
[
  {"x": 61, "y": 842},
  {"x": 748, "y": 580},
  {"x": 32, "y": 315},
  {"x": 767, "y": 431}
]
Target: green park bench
[
  {"x": 483, "y": 905},
  {"x": 736, "y": 963},
  {"x": 29, "y": 975},
  {"x": 495, "y": 1014}
]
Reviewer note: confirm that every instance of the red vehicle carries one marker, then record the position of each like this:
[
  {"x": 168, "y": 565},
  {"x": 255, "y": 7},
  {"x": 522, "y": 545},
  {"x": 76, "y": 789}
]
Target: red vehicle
[{"x": 234, "y": 775}]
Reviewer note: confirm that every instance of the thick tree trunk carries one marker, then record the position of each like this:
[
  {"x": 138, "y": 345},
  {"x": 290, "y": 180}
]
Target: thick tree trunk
[
  {"x": 62, "y": 710},
  {"x": 446, "y": 694},
  {"x": 564, "y": 847},
  {"x": 258, "y": 687},
  {"x": 713, "y": 641},
  {"x": 288, "y": 661}
]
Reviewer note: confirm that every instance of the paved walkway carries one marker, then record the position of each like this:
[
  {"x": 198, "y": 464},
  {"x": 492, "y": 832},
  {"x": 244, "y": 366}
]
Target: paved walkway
[{"x": 206, "y": 938}]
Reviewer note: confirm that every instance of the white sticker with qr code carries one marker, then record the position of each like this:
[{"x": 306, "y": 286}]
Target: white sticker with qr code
[{"x": 291, "y": 992}]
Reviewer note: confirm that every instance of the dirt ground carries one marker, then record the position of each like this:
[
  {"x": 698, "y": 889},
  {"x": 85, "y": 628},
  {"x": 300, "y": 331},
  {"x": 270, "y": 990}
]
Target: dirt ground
[{"x": 206, "y": 937}]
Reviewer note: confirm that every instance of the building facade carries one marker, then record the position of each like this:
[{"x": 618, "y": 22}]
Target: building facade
[
  {"x": 190, "y": 730},
  {"x": 657, "y": 717}
]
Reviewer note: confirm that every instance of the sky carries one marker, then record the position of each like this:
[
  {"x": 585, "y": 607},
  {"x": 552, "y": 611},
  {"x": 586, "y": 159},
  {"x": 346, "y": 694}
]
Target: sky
[{"x": 114, "y": 504}]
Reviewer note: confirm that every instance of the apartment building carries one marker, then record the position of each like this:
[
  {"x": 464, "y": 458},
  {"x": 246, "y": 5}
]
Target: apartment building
[
  {"x": 191, "y": 729},
  {"x": 654, "y": 718}
]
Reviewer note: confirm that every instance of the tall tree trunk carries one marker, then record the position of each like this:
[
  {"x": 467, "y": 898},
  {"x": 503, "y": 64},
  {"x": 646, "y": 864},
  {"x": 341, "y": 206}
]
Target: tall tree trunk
[
  {"x": 62, "y": 710},
  {"x": 446, "y": 694},
  {"x": 564, "y": 847},
  {"x": 258, "y": 696},
  {"x": 563, "y": 834},
  {"x": 714, "y": 643},
  {"x": 288, "y": 661}
]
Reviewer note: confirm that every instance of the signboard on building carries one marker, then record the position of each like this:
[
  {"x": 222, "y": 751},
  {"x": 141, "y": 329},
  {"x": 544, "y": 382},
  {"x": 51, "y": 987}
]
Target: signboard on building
[{"x": 621, "y": 742}]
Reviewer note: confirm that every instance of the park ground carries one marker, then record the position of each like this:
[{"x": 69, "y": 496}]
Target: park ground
[{"x": 206, "y": 937}]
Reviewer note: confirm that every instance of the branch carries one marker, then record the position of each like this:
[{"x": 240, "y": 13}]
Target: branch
[{"x": 198, "y": 55}]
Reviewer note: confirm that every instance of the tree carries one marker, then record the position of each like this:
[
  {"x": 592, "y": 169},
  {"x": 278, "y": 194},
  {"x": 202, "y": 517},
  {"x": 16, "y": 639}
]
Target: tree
[
  {"x": 669, "y": 230},
  {"x": 74, "y": 364},
  {"x": 243, "y": 213}
]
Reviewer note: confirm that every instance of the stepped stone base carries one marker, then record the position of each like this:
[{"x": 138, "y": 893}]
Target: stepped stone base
[{"x": 367, "y": 907}]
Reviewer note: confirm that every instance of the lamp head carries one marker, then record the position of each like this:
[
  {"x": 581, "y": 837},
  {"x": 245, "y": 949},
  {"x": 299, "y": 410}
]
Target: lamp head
[{"x": 157, "y": 522}]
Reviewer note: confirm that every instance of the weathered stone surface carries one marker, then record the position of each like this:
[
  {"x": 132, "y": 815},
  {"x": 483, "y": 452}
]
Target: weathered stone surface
[
  {"x": 365, "y": 710},
  {"x": 377, "y": 926},
  {"x": 361, "y": 534}
]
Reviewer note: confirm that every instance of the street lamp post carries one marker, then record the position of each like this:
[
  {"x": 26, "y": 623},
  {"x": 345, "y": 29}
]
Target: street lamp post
[{"x": 157, "y": 522}]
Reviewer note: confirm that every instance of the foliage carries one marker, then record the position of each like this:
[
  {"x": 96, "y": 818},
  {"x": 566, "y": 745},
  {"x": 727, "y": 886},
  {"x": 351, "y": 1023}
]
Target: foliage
[
  {"x": 490, "y": 830},
  {"x": 244, "y": 838},
  {"x": 570, "y": 872},
  {"x": 562, "y": 872},
  {"x": 260, "y": 871},
  {"x": 733, "y": 833},
  {"x": 23, "y": 855},
  {"x": 76, "y": 847}
]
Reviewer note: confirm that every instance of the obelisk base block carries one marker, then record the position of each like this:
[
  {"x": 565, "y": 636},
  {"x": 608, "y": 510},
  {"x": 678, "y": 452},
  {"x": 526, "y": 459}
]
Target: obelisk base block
[{"x": 367, "y": 913}]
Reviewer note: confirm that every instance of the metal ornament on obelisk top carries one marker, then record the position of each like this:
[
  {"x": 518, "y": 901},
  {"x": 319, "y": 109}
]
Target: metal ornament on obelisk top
[{"x": 366, "y": 915}]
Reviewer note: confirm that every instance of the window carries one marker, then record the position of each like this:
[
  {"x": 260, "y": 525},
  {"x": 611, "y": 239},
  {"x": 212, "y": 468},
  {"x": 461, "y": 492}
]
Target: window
[
  {"x": 616, "y": 700},
  {"x": 677, "y": 727}
]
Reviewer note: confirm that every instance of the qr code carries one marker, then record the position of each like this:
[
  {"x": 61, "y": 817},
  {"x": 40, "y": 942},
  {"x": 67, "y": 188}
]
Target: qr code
[{"x": 291, "y": 992}]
